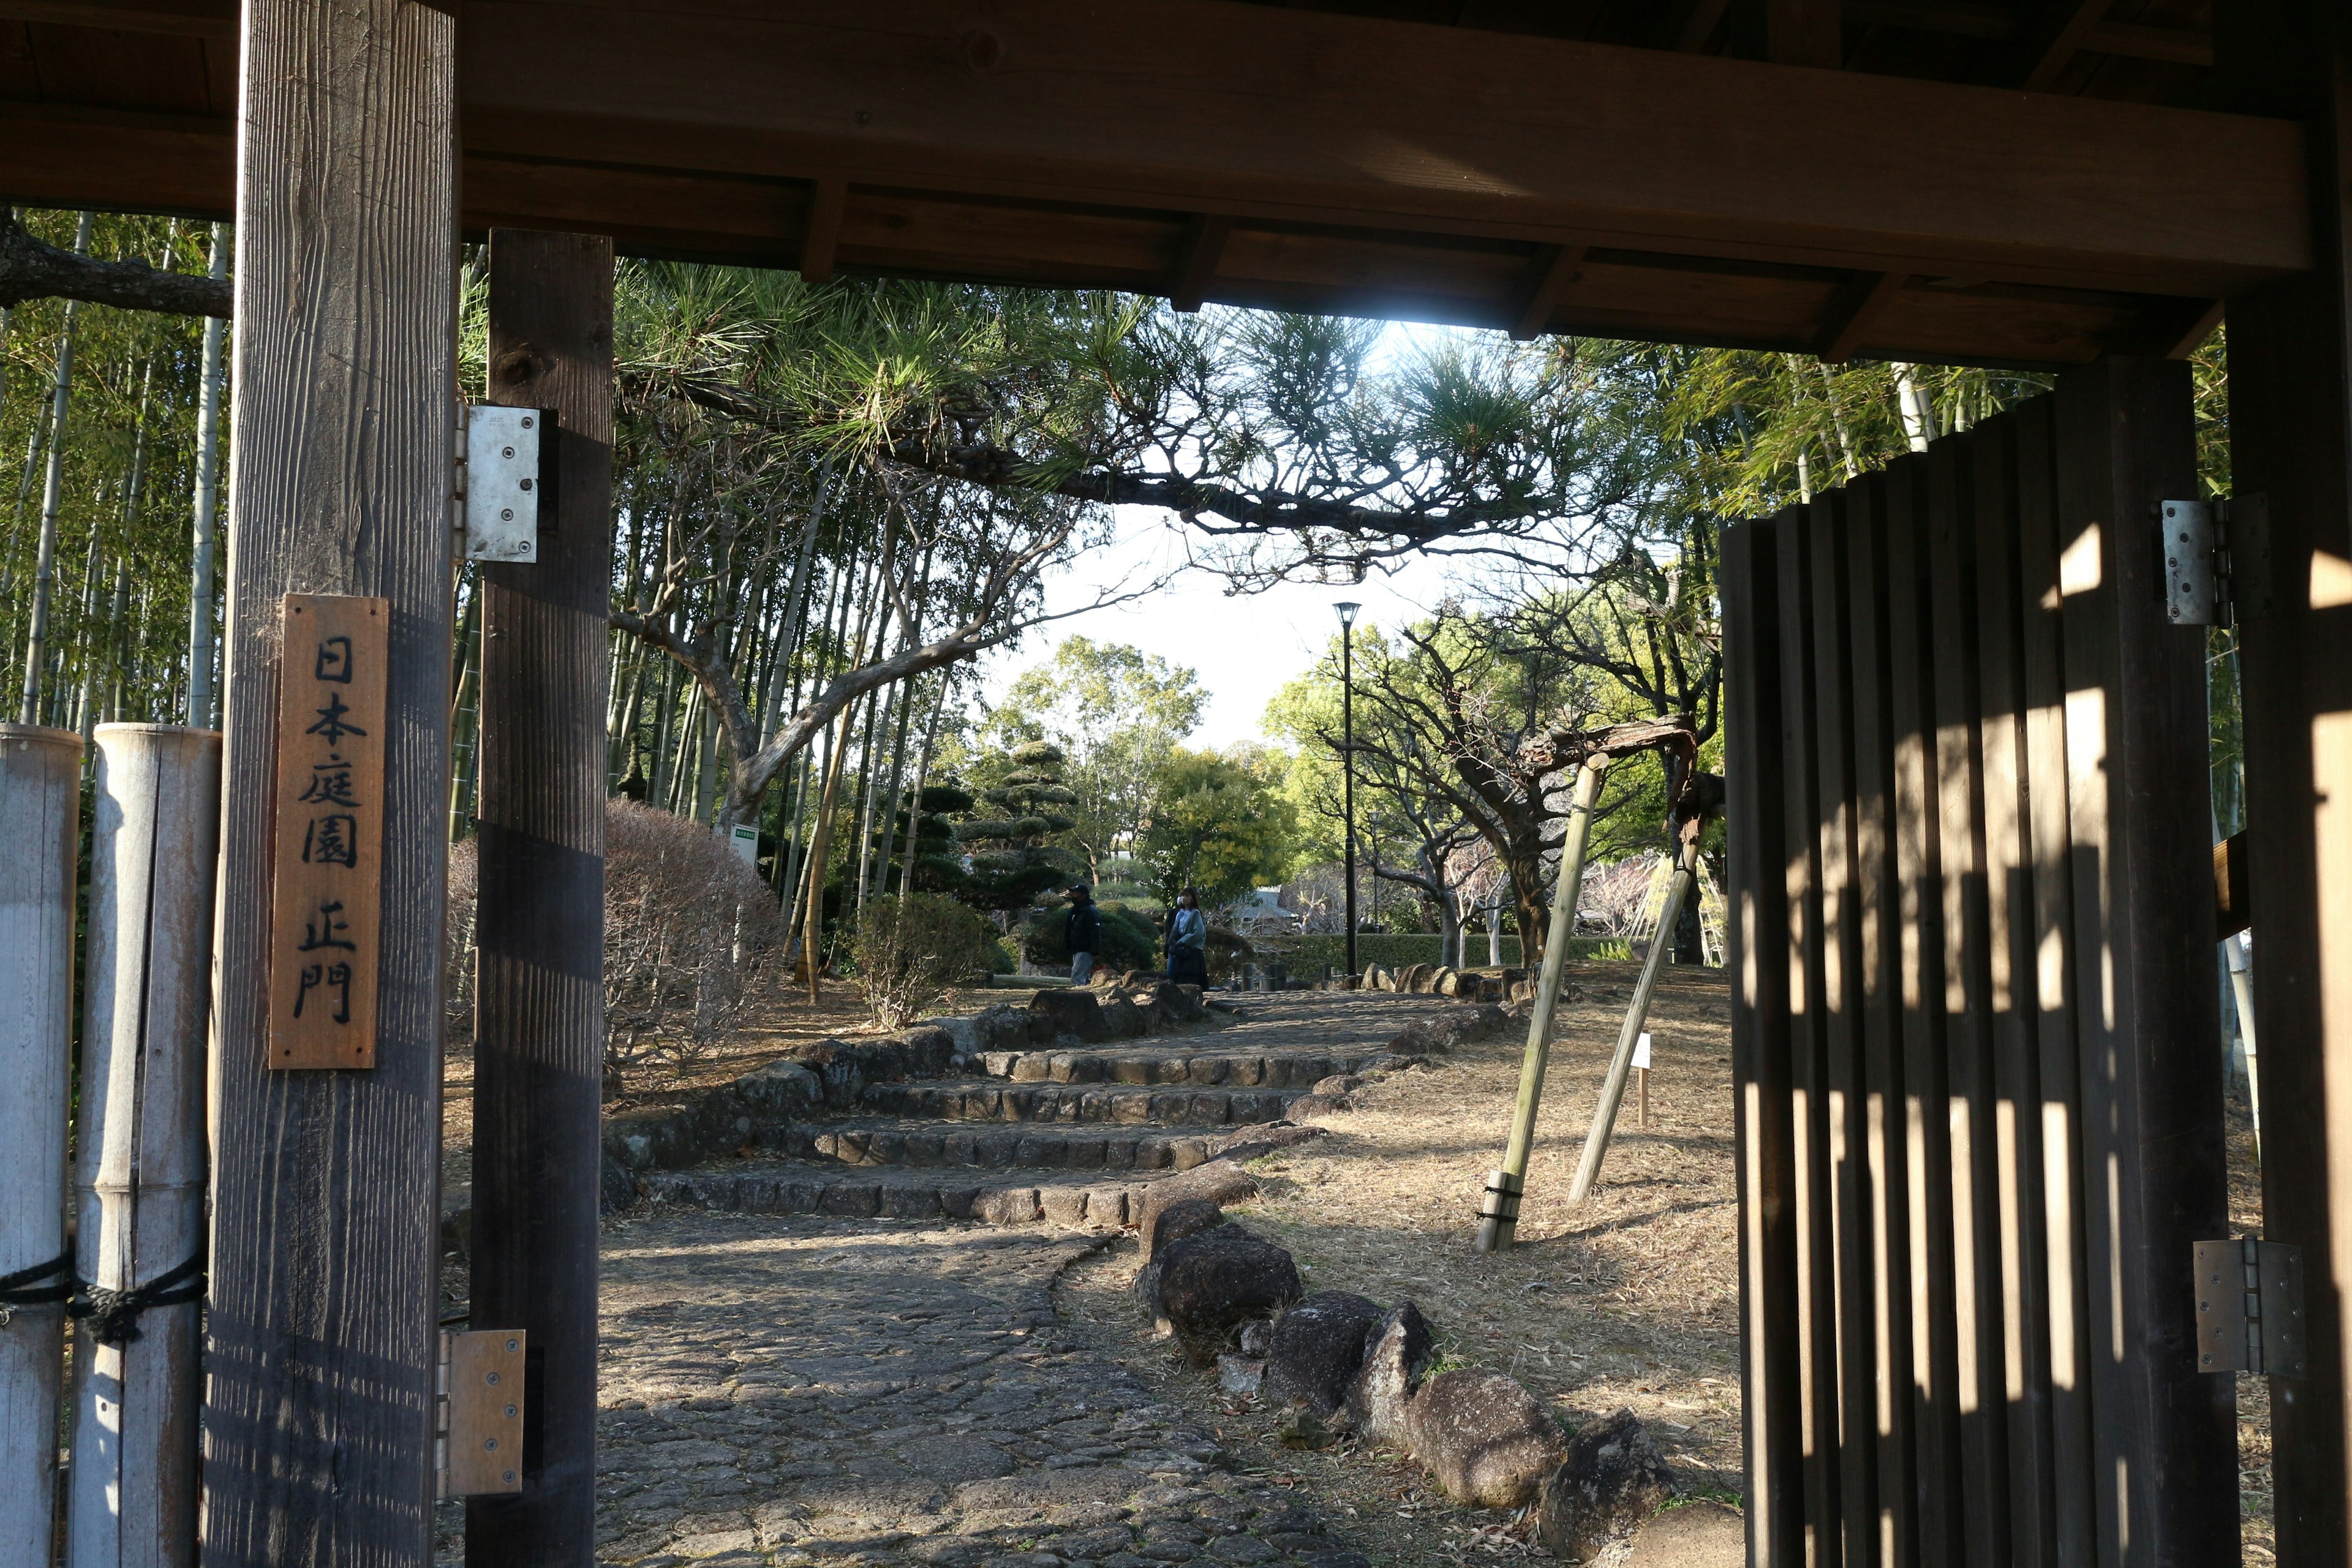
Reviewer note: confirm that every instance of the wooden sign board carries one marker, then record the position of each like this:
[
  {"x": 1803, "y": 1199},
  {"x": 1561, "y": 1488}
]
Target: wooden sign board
[{"x": 326, "y": 901}]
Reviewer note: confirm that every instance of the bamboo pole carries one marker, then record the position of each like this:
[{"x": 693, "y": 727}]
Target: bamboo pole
[
  {"x": 40, "y": 811},
  {"x": 2241, "y": 987},
  {"x": 52, "y": 497},
  {"x": 202, "y": 568},
  {"x": 1498, "y": 1214},
  {"x": 140, "y": 1163},
  {"x": 1637, "y": 1012},
  {"x": 820, "y": 846}
]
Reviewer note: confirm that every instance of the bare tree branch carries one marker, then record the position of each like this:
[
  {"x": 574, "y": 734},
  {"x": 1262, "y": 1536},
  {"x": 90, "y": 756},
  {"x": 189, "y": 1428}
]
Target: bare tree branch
[{"x": 31, "y": 269}]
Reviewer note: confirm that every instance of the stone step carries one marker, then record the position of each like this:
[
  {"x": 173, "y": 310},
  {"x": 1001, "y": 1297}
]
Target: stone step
[
  {"x": 1089, "y": 1146},
  {"x": 993, "y": 1100},
  {"x": 1144, "y": 1064},
  {"x": 1013, "y": 1197}
]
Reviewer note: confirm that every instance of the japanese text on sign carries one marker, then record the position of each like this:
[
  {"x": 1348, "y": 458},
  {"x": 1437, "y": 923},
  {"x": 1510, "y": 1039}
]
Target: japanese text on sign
[{"x": 324, "y": 938}]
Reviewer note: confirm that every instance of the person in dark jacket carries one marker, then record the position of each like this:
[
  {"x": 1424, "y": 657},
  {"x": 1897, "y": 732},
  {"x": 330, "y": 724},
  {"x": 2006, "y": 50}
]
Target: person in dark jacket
[
  {"x": 1188, "y": 941},
  {"x": 1082, "y": 934}
]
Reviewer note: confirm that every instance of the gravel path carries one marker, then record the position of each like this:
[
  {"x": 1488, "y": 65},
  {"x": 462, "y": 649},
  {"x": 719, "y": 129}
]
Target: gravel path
[{"x": 791, "y": 1391}]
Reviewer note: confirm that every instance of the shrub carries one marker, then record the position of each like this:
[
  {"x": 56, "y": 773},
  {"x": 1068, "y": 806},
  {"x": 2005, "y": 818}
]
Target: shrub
[
  {"x": 910, "y": 950},
  {"x": 1130, "y": 937},
  {"x": 690, "y": 933}
]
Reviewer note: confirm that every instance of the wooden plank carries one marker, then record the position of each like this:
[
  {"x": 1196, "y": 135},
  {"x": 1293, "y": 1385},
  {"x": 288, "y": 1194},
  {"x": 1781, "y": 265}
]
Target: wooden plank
[
  {"x": 2013, "y": 1002},
  {"x": 1552, "y": 271},
  {"x": 2291, "y": 441},
  {"x": 1969, "y": 1105},
  {"x": 1562, "y": 141},
  {"x": 2064, "y": 1176},
  {"x": 2141, "y": 831},
  {"x": 2053, "y": 34},
  {"x": 1769, "y": 1406},
  {"x": 1878, "y": 911},
  {"x": 1805, "y": 33},
  {"x": 319, "y": 1359},
  {"x": 1919, "y": 959},
  {"x": 327, "y": 899},
  {"x": 822, "y": 239},
  {"x": 1855, "y": 311},
  {"x": 1844, "y": 1107},
  {"x": 539, "y": 1036},
  {"x": 1196, "y": 259},
  {"x": 1812, "y": 1189}
]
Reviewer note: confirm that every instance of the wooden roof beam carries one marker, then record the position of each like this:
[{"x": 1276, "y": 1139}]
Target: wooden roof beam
[
  {"x": 1805, "y": 33},
  {"x": 2057, "y": 33},
  {"x": 1197, "y": 256},
  {"x": 1553, "y": 270},
  {"x": 1856, "y": 310}
]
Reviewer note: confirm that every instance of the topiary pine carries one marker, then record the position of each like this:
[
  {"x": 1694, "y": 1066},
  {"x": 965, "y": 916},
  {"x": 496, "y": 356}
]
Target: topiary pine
[{"x": 1006, "y": 833}]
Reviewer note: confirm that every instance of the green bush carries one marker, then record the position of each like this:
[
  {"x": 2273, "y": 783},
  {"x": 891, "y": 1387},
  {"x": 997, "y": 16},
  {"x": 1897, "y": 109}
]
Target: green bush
[
  {"x": 1130, "y": 937},
  {"x": 910, "y": 950},
  {"x": 1307, "y": 955}
]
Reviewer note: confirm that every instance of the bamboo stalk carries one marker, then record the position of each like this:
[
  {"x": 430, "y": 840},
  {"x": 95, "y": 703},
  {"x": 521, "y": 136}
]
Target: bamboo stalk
[
  {"x": 40, "y": 811},
  {"x": 1612, "y": 1089},
  {"x": 139, "y": 1165},
  {"x": 202, "y": 697},
  {"x": 1498, "y": 1214},
  {"x": 52, "y": 497}
]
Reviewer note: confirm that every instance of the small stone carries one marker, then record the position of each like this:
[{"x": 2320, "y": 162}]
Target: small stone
[
  {"x": 1301, "y": 1429},
  {"x": 1240, "y": 1374}
]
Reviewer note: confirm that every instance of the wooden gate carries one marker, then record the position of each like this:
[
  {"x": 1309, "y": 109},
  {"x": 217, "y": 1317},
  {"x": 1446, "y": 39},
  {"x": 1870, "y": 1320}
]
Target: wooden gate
[{"x": 1974, "y": 1011}]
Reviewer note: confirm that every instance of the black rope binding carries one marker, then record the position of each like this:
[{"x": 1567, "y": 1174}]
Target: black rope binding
[
  {"x": 24, "y": 1288},
  {"x": 114, "y": 1314}
]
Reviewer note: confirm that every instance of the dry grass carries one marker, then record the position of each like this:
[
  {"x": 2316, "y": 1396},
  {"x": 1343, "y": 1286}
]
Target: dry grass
[{"x": 1630, "y": 1300}]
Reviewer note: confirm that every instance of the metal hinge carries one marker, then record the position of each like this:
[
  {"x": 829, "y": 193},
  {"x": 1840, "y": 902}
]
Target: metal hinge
[
  {"x": 478, "y": 1412},
  {"x": 2250, "y": 1307},
  {"x": 2217, "y": 560},
  {"x": 498, "y": 481}
]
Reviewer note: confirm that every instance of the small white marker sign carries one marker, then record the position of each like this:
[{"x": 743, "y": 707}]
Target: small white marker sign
[{"x": 1642, "y": 1051}]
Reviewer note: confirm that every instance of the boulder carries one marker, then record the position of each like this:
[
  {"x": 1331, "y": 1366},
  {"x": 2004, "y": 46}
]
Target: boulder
[
  {"x": 1374, "y": 978},
  {"x": 1695, "y": 1535},
  {"x": 1260, "y": 1139},
  {"x": 781, "y": 1090},
  {"x": 1416, "y": 977},
  {"x": 1122, "y": 1019},
  {"x": 1071, "y": 1012},
  {"x": 1610, "y": 1480},
  {"x": 1483, "y": 1437},
  {"x": 1174, "y": 1222},
  {"x": 1212, "y": 1283},
  {"x": 1383, "y": 1386},
  {"x": 1338, "y": 1083},
  {"x": 1318, "y": 1348},
  {"x": 1313, "y": 1107},
  {"x": 927, "y": 1049},
  {"x": 1221, "y": 1182},
  {"x": 1446, "y": 982}
]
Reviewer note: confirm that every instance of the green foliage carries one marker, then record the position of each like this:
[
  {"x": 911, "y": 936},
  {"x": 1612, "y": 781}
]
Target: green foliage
[
  {"x": 1220, "y": 825},
  {"x": 909, "y": 949},
  {"x": 1130, "y": 937},
  {"x": 1013, "y": 862},
  {"x": 1118, "y": 713}
]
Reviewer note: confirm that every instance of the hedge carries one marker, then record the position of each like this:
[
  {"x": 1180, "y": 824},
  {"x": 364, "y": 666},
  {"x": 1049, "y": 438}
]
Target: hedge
[{"x": 1307, "y": 955}]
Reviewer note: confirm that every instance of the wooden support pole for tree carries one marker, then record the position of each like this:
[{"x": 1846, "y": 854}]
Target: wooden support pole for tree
[
  {"x": 538, "y": 1018},
  {"x": 40, "y": 822},
  {"x": 1637, "y": 1012},
  {"x": 320, "y": 1356},
  {"x": 1498, "y": 1214},
  {"x": 140, "y": 1158}
]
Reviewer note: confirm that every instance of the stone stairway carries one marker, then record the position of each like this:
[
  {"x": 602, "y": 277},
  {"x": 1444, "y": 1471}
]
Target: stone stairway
[{"x": 1068, "y": 1133}]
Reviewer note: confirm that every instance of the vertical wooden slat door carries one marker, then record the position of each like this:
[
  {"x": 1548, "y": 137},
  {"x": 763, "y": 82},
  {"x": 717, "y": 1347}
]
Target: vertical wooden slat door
[{"x": 1980, "y": 1123}]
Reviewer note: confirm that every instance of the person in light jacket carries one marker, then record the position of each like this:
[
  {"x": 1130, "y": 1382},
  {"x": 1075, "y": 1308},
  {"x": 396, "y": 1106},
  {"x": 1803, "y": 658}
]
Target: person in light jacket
[
  {"x": 1188, "y": 941},
  {"x": 1082, "y": 933}
]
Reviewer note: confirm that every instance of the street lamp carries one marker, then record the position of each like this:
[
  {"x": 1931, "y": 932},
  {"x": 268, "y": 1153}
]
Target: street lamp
[{"x": 1348, "y": 758}]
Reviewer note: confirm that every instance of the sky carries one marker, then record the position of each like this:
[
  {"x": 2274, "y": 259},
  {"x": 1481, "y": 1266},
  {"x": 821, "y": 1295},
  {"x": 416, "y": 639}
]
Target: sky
[{"x": 1246, "y": 648}]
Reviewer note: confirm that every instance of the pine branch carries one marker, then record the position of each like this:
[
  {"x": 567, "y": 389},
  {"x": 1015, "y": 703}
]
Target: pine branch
[{"x": 31, "y": 269}]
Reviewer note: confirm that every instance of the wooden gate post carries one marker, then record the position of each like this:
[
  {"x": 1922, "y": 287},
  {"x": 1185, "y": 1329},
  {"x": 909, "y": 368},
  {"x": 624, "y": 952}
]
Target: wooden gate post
[
  {"x": 319, "y": 1350},
  {"x": 2291, "y": 443},
  {"x": 539, "y": 1019}
]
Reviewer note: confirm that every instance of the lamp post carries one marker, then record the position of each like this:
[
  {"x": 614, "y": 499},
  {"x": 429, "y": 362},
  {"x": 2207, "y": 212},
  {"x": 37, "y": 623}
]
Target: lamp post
[{"x": 1348, "y": 759}]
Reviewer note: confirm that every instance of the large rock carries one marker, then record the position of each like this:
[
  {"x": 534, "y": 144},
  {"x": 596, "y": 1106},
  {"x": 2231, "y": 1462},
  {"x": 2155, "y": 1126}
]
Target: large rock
[
  {"x": 1072, "y": 1012},
  {"x": 1383, "y": 1386},
  {"x": 1611, "y": 1478},
  {"x": 1318, "y": 1348},
  {"x": 1483, "y": 1437},
  {"x": 1695, "y": 1535},
  {"x": 1221, "y": 1182},
  {"x": 1212, "y": 1283},
  {"x": 1174, "y": 1222},
  {"x": 1122, "y": 1019},
  {"x": 1416, "y": 978},
  {"x": 781, "y": 1090}
]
